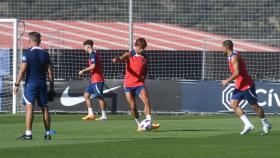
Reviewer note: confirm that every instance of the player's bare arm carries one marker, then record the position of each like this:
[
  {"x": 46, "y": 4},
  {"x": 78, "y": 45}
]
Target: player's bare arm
[
  {"x": 91, "y": 67},
  {"x": 21, "y": 73},
  {"x": 50, "y": 76},
  {"x": 235, "y": 63},
  {"x": 122, "y": 58},
  {"x": 145, "y": 73}
]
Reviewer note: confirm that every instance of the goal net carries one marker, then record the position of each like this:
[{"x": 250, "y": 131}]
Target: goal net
[{"x": 9, "y": 52}]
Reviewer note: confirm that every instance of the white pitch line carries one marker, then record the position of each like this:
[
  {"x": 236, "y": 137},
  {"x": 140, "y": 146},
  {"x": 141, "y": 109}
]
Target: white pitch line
[
  {"x": 87, "y": 30},
  {"x": 65, "y": 32},
  {"x": 253, "y": 45},
  {"x": 185, "y": 31},
  {"x": 126, "y": 32},
  {"x": 103, "y": 27},
  {"x": 212, "y": 37},
  {"x": 186, "y": 38},
  {"x": 165, "y": 41},
  {"x": 44, "y": 42},
  {"x": 56, "y": 37},
  {"x": 177, "y": 36},
  {"x": 78, "y": 28}
]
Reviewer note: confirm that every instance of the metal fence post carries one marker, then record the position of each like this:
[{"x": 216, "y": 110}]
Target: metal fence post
[
  {"x": 203, "y": 61},
  {"x": 130, "y": 32}
]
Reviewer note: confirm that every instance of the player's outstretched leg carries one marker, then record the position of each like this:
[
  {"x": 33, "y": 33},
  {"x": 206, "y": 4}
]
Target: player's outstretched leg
[
  {"x": 133, "y": 109},
  {"x": 88, "y": 102},
  {"x": 248, "y": 126},
  {"x": 102, "y": 105},
  {"x": 144, "y": 96},
  {"x": 266, "y": 125}
]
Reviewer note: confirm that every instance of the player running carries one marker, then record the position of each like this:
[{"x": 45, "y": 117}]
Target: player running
[
  {"x": 134, "y": 82},
  {"x": 244, "y": 89},
  {"x": 35, "y": 63},
  {"x": 95, "y": 88}
]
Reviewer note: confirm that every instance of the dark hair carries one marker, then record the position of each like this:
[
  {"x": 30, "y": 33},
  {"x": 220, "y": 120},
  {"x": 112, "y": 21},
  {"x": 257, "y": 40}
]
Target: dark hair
[
  {"x": 35, "y": 37},
  {"x": 88, "y": 42},
  {"x": 228, "y": 44},
  {"x": 141, "y": 42}
]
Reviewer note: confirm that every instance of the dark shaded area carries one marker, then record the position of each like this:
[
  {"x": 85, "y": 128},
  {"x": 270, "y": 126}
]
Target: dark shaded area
[
  {"x": 170, "y": 65},
  {"x": 162, "y": 64}
]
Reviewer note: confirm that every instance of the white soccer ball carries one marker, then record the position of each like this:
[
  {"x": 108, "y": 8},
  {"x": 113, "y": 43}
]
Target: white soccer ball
[{"x": 146, "y": 125}]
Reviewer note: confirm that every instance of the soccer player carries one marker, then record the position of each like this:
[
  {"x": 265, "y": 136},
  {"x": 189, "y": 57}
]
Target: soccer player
[
  {"x": 95, "y": 87},
  {"x": 244, "y": 89},
  {"x": 136, "y": 72},
  {"x": 35, "y": 63}
]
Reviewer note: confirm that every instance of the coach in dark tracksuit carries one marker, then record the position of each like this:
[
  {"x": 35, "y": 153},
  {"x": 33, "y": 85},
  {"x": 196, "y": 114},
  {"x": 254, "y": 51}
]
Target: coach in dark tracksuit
[{"x": 36, "y": 66}]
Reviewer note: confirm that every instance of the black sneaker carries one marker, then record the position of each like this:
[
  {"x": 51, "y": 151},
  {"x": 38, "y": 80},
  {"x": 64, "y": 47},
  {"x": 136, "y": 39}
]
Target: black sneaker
[
  {"x": 24, "y": 137},
  {"x": 48, "y": 137}
]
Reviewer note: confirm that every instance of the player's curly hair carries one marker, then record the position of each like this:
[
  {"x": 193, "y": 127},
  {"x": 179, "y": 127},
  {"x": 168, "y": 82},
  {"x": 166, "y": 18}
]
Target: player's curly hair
[
  {"x": 88, "y": 42},
  {"x": 141, "y": 42}
]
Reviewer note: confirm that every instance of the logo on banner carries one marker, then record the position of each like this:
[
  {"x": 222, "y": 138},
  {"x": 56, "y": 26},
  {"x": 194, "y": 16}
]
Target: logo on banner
[
  {"x": 272, "y": 97},
  {"x": 226, "y": 97},
  {"x": 67, "y": 100},
  {"x": 266, "y": 97}
]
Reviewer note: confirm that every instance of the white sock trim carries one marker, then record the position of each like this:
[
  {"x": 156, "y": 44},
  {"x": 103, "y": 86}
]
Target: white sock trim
[
  {"x": 28, "y": 133},
  {"x": 103, "y": 113},
  {"x": 90, "y": 111},
  {"x": 149, "y": 117},
  {"x": 264, "y": 121},
  {"x": 245, "y": 120}
]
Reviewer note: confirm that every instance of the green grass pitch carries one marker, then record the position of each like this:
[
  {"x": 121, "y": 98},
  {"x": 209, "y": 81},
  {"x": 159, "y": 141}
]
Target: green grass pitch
[{"x": 179, "y": 136}]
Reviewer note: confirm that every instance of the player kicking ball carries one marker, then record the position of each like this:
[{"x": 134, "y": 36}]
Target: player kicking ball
[
  {"x": 134, "y": 82},
  {"x": 96, "y": 85},
  {"x": 244, "y": 89}
]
